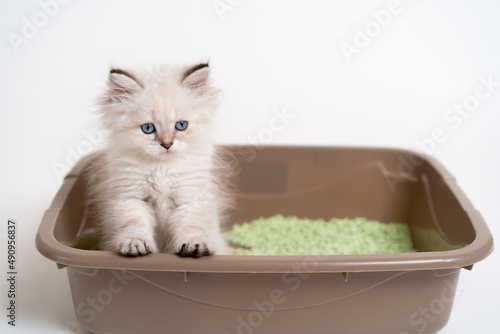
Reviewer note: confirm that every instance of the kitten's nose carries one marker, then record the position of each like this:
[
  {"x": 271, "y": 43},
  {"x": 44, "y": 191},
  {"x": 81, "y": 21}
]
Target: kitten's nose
[{"x": 167, "y": 145}]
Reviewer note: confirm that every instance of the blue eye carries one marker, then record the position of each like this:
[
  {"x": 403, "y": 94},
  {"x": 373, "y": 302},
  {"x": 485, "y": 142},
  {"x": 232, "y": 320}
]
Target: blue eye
[
  {"x": 181, "y": 125},
  {"x": 148, "y": 128}
]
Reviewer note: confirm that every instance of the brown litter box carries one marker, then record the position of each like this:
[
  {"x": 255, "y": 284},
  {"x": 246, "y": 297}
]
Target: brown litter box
[{"x": 383, "y": 293}]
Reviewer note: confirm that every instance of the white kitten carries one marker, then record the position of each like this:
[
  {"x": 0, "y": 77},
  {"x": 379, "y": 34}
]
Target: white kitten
[{"x": 155, "y": 186}]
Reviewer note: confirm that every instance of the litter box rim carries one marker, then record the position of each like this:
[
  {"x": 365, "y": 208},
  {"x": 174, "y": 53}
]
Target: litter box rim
[{"x": 465, "y": 257}]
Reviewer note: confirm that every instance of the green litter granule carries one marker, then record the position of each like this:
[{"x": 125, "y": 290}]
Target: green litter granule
[
  {"x": 279, "y": 235},
  {"x": 90, "y": 239},
  {"x": 429, "y": 240}
]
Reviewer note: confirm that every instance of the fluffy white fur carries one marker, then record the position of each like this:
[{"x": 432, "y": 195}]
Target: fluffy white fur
[{"x": 148, "y": 198}]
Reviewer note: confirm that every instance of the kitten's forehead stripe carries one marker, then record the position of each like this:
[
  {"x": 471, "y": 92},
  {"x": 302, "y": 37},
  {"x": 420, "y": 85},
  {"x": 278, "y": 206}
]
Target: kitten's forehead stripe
[
  {"x": 193, "y": 69},
  {"x": 125, "y": 73}
]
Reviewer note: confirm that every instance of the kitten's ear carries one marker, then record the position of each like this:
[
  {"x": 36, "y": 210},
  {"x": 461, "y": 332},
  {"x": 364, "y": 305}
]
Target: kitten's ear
[
  {"x": 196, "y": 78},
  {"x": 122, "y": 85}
]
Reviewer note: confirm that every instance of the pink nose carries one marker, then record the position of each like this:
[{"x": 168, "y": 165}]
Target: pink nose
[{"x": 167, "y": 145}]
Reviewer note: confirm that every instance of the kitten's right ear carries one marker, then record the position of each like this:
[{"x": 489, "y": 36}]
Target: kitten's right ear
[
  {"x": 195, "y": 78},
  {"x": 122, "y": 85}
]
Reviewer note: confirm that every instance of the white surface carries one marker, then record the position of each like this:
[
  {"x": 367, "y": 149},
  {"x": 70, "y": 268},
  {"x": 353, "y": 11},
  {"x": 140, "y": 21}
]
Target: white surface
[{"x": 265, "y": 55}]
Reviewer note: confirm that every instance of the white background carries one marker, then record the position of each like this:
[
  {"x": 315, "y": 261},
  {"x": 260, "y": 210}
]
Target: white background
[{"x": 265, "y": 55}]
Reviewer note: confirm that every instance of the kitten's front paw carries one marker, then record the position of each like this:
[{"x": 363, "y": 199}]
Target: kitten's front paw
[
  {"x": 194, "y": 250},
  {"x": 136, "y": 247}
]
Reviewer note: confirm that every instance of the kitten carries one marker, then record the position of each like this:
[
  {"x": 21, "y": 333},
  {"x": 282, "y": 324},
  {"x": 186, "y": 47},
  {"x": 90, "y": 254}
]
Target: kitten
[{"x": 155, "y": 186}]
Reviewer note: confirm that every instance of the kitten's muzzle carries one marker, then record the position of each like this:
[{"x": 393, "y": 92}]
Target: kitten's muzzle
[{"x": 167, "y": 145}]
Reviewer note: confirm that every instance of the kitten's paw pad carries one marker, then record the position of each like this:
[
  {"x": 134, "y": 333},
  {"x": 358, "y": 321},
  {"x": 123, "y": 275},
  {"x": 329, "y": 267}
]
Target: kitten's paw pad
[
  {"x": 194, "y": 250},
  {"x": 136, "y": 247}
]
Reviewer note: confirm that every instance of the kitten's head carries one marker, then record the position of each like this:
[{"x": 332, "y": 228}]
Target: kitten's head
[{"x": 155, "y": 114}]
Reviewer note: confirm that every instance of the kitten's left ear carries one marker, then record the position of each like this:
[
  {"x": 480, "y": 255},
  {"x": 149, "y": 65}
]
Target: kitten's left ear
[
  {"x": 122, "y": 84},
  {"x": 196, "y": 78}
]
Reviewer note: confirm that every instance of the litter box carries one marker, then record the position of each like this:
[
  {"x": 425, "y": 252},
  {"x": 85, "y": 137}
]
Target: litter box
[{"x": 347, "y": 294}]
